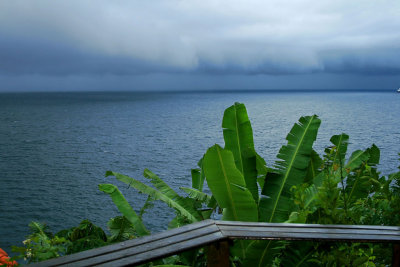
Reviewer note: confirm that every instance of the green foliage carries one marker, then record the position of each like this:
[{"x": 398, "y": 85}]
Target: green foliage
[
  {"x": 313, "y": 169},
  {"x": 183, "y": 206},
  {"x": 197, "y": 195},
  {"x": 349, "y": 192},
  {"x": 124, "y": 207},
  {"x": 291, "y": 170},
  {"x": 42, "y": 244},
  {"x": 227, "y": 184},
  {"x": 121, "y": 229},
  {"x": 83, "y": 237},
  {"x": 302, "y": 187},
  {"x": 238, "y": 137},
  {"x": 299, "y": 254}
]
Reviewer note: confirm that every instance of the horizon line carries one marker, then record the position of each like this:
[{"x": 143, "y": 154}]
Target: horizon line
[{"x": 211, "y": 91}]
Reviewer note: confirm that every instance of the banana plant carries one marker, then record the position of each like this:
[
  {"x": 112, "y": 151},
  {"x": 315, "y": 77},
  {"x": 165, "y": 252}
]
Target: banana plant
[
  {"x": 238, "y": 137},
  {"x": 124, "y": 207},
  {"x": 314, "y": 167},
  {"x": 301, "y": 187},
  {"x": 206, "y": 203},
  {"x": 183, "y": 206},
  {"x": 236, "y": 174},
  {"x": 361, "y": 181},
  {"x": 198, "y": 176},
  {"x": 232, "y": 173},
  {"x": 228, "y": 186},
  {"x": 354, "y": 176},
  {"x": 290, "y": 170}
]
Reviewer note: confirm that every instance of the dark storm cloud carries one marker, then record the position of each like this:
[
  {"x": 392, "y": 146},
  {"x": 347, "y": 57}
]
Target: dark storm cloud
[
  {"x": 253, "y": 37},
  {"x": 20, "y": 55}
]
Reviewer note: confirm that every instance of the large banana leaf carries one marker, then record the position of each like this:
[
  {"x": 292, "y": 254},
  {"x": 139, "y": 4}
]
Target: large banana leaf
[
  {"x": 238, "y": 136},
  {"x": 160, "y": 185},
  {"x": 198, "y": 176},
  {"x": 147, "y": 205},
  {"x": 356, "y": 159},
  {"x": 196, "y": 179},
  {"x": 262, "y": 170},
  {"x": 164, "y": 188},
  {"x": 291, "y": 170},
  {"x": 228, "y": 186},
  {"x": 182, "y": 205},
  {"x": 358, "y": 186},
  {"x": 313, "y": 169},
  {"x": 261, "y": 165},
  {"x": 298, "y": 254},
  {"x": 203, "y": 198},
  {"x": 335, "y": 158},
  {"x": 360, "y": 180},
  {"x": 197, "y": 195},
  {"x": 124, "y": 207},
  {"x": 374, "y": 155},
  {"x": 261, "y": 253},
  {"x": 340, "y": 143}
]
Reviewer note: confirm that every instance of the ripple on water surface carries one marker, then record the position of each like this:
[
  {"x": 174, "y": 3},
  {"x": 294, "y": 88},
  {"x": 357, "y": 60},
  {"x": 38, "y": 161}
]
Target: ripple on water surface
[{"x": 55, "y": 148}]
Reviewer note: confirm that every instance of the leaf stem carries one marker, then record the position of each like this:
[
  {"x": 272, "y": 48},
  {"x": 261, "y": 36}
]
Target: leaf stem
[{"x": 343, "y": 189}]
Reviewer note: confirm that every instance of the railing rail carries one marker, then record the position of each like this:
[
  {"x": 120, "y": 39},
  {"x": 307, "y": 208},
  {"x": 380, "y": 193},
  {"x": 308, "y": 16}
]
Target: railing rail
[{"x": 216, "y": 235}]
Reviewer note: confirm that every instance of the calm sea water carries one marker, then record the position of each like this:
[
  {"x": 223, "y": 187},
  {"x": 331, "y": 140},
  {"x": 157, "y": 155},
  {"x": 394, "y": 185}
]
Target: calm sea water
[{"x": 56, "y": 147}]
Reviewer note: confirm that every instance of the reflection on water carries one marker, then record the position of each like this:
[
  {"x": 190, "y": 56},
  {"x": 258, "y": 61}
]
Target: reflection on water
[{"x": 56, "y": 147}]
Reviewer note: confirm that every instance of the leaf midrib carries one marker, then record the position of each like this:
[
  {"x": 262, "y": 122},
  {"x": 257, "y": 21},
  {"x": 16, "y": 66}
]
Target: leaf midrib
[
  {"x": 338, "y": 150},
  {"x": 314, "y": 173},
  {"x": 304, "y": 258},
  {"x": 354, "y": 185},
  {"x": 230, "y": 195},
  {"x": 356, "y": 157},
  {"x": 264, "y": 253},
  {"x": 238, "y": 142},
  {"x": 227, "y": 184}
]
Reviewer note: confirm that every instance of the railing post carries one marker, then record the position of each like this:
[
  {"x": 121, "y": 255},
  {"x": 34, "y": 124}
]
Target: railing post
[
  {"x": 218, "y": 254},
  {"x": 396, "y": 255}
]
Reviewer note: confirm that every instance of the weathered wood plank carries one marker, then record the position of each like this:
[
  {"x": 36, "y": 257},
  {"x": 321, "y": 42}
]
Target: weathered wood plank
[
  {"x": 271, "y": 235},
  {"x": 123, "y": 245},
  {"x": 245, "y": 230},
  {"x": 164, "y": 244},
  {"x": 283, "y": 230},
  {"x": 157, "y": 248},
  {"x": 165, "y": 252},
  {"x": 299, "y": 225}
]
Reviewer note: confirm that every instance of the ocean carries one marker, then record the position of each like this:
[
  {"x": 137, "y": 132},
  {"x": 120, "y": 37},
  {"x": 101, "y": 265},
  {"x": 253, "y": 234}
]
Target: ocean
[{"x": 56, "y": 147}]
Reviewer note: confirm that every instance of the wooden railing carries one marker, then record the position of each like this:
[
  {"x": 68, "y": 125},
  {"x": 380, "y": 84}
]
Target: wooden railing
[{"x": 217, "y": 235}]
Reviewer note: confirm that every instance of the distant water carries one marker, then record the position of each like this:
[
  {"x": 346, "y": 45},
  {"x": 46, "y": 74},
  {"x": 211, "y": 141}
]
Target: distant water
[{"x": 56, "y": 147}]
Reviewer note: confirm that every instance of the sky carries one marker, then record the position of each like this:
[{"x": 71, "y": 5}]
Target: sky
[{"x": 82, "y": 45}]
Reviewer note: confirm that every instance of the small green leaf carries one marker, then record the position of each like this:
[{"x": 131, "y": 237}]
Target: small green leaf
[{"x": 124, "y": 207}]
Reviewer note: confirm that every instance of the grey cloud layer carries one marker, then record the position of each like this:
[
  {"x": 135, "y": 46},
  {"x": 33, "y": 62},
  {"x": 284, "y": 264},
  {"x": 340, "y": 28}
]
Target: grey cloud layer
[{"x": 244, "y": 37}]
